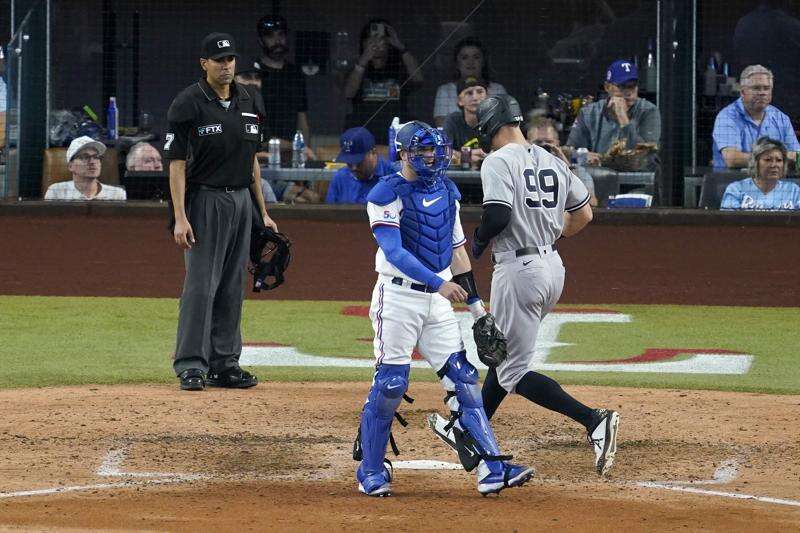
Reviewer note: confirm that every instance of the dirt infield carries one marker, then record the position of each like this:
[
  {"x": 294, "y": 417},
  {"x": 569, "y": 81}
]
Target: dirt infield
[
  {"x": 127, "y": 256},
  {"x": 270, "y": 461},
  {"x": 277, "y": 457}
]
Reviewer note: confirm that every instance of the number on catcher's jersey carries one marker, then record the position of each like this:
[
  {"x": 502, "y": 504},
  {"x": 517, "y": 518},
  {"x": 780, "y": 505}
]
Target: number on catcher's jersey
[{"x": 547, "y": 184}]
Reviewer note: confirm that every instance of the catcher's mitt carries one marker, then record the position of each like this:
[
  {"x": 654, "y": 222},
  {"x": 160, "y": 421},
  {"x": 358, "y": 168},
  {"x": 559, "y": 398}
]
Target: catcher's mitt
[
  {"x": 270, "y": 254},
  {"x": 490, "y": 341}
]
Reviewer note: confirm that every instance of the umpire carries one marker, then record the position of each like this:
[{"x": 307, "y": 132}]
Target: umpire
[{"x": 214, "y": 134}]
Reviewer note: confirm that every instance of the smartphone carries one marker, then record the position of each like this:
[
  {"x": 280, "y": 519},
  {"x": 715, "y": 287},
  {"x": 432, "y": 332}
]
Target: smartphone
[{"x": 377, "y": 29}]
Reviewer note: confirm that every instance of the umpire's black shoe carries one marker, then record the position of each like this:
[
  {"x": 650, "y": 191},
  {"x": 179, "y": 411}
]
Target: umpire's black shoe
[
  {"x": 192, "y": 379},
  {"x": 232, "y": 378}
]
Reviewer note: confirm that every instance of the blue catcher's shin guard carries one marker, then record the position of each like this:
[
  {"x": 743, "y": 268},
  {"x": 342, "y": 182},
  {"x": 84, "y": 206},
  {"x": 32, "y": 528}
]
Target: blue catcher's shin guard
[
  {"x": 473, "y": 434},
  {"x": 388, "y": 386}
]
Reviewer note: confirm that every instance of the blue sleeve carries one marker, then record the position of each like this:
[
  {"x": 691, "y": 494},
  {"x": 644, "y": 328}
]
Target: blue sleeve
[
  {"x": 789, "y": 136},
  {"x": 333, "y": 188},
  {"x": 726, "y": 132},
  {"x": 732, "y": 199},
  {"x": 389, "y": 240}
]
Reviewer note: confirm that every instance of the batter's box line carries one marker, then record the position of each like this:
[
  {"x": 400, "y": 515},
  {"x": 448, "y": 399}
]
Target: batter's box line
[
  {"x": 725, "y": 473},
  {"x": 112, "y": 467}
]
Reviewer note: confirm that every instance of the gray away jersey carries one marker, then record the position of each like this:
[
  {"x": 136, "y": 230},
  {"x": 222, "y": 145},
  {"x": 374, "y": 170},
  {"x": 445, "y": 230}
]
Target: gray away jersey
[{"x": 538, "y": 187}]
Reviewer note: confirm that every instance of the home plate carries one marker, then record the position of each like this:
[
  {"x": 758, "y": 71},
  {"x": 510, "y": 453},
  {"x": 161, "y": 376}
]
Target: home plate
[{"x": 425, "y": 464}]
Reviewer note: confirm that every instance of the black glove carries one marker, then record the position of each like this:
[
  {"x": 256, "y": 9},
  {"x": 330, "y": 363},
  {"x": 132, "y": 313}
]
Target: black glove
[
  {"x": 491, "y": 342},
  {"x": 478, "y": 246}
]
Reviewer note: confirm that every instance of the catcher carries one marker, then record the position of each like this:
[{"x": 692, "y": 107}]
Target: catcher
[{"x": 422, "y": 269}]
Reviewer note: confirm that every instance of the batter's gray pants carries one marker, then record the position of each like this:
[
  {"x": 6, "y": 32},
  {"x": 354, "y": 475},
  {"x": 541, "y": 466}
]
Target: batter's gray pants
[
  {"x": 524, "y": 290},
  {"x": 209, "y": 337}
]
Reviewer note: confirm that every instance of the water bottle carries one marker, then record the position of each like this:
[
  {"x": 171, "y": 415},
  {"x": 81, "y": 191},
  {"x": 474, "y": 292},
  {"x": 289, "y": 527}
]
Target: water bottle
[
  {"x": 710, "y": 78},
  {"x": 394, "y": 127},
  {"x": 582, "y": 156},
  {"x": 651, "y": 77},
  {"x": 112, "y": 118},
  {"x": 298, "y": 151}
]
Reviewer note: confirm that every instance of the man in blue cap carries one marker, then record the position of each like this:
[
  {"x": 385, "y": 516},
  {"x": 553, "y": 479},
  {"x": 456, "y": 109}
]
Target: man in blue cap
[
  {"x": 351, "y": 184},
  {"x": 622, "y": 115}
]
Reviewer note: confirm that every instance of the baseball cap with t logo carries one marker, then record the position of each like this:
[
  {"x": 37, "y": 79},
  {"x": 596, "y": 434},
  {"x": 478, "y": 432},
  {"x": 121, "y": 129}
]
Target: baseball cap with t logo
[{"x": 217, "y": 45}]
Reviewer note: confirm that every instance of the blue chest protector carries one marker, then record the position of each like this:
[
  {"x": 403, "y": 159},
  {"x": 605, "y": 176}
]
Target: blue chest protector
[{"x": 429, "y": 213}]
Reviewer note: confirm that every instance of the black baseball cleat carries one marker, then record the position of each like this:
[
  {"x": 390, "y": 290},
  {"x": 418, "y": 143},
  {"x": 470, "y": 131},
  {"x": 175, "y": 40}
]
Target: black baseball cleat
[
  {"x": 192, "y": 379},
  {"x": 232, "y": 378}
]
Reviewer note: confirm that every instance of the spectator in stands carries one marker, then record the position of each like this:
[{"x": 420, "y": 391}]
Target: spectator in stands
[
  {"x": 283, "y": 85},
  {"x": 142, "y": 157},
  {"x": 373, "y": 86},
  {"x": 739, "y": 124},
  {"x": 471, "y": 61},
  {"x": 460, "y": 125},
  {"x": 84, "y": 159},
  {"x": 621, "y": 115},
  {"x": 766, "y": 189},
  {"x": 351, "y": 184},
  {"x": 542, "y": 132},
  {"x": 768, "y": 35}
]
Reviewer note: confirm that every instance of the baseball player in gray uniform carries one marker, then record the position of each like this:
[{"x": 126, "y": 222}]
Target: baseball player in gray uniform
[{"x": 530, "y": 200}]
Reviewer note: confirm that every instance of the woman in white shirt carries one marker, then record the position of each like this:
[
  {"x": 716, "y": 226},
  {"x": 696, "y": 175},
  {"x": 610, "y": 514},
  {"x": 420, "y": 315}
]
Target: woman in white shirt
[{"x": 470, "y": 60}]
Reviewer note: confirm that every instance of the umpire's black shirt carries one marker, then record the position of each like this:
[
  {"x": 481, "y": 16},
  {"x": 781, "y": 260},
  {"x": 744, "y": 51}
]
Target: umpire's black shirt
[{"x": 218, "y": 144}]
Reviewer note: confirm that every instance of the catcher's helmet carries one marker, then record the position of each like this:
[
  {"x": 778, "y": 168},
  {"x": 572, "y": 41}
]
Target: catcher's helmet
[
  {"x": 269, "y": 23},
  {"x": 428, "y": 149},
  {"x": 494, "y": 113}
]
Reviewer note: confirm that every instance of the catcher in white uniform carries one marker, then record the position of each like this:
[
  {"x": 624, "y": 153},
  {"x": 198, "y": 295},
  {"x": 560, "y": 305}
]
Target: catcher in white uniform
[
  {"x": 422, "y": 267},
  {"x": 530, "y": 200}
]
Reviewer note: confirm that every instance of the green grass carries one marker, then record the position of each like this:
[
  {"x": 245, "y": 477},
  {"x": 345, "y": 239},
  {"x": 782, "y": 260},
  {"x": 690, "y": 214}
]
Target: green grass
[{"x": 48, "y": 341}]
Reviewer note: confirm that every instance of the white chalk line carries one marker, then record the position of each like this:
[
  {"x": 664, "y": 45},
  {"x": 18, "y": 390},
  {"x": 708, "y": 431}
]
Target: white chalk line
[
  {"x": 111, "y": 467},
  {"x": 725, "y": 473}
]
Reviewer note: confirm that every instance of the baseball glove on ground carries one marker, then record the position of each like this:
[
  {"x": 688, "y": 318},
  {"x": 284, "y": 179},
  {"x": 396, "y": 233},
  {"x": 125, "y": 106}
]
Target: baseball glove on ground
[{"x": 490, "y": 341}]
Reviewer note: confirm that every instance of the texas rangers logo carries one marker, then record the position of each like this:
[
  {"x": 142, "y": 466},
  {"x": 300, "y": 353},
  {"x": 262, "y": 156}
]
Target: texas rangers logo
[{"x": 210, "y": 129}]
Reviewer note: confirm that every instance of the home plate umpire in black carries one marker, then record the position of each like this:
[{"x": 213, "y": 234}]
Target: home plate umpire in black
[{"x": 214, "y": 134}]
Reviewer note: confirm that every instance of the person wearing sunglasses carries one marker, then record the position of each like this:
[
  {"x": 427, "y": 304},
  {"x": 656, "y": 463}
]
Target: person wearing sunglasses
[{"x": 84, "y": 160}]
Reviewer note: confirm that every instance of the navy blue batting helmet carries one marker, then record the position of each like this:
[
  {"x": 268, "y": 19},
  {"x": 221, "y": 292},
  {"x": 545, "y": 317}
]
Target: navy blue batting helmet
[{"x": 429, "y": 150}]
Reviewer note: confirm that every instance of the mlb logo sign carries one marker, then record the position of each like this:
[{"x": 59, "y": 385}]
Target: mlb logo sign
[
  {"x": 251, "y": 128},
  {"x": 211, "y": 129},
  {"x": 223, "y": 43}
]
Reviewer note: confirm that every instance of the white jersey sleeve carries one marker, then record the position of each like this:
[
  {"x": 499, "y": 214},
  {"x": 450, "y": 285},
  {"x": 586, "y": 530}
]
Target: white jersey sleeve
[
  {"x": 458, "y": 231},
  {"x": 497, "y": 182},
  {"x": 385, "y": 215}
]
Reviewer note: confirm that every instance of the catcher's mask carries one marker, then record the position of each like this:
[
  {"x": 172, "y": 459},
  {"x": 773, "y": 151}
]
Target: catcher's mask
[
  {"x": 494, "y": 113},
  {"x": 428, "y": 150},
  {"x": 270, "y": 254}
]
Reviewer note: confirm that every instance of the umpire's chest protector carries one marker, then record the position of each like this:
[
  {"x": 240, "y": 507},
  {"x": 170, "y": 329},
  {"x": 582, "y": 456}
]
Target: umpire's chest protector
[{"x": 426, "y": 223}]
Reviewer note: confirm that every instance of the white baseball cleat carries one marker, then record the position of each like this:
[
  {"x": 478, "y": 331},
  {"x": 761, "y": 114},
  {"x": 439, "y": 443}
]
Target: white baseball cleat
[{"x": 603, "y": 439}]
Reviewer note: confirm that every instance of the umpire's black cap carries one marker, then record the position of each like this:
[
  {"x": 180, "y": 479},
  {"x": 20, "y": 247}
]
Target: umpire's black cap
[{"x": 216, "y": 45}]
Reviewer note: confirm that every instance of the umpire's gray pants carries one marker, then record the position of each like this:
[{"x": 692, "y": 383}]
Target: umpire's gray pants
[
  {"x": 209, "y": 338},
  {"x": 524, "y": 290}
]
